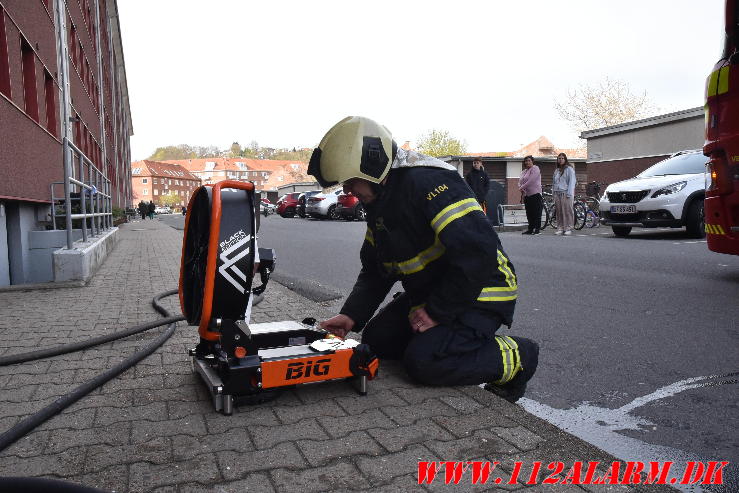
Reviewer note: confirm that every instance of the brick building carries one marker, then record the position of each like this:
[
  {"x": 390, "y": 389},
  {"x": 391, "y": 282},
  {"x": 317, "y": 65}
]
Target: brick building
[
  {"x": 504, "y": 168},
  {"x": 623, "y": 151},
  {"x": 62, "y": 79},
  {"x": 152, "y": 180},
  {"x": 267, "y": 174}
]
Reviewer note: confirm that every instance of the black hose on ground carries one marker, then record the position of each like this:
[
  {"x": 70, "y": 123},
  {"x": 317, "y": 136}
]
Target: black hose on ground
[
  {"x": 76, "y": 346},
  {"x": 31, "y": 422}
]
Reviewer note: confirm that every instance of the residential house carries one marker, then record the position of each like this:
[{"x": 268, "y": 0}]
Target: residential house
[{"x": 153, "y": 180}]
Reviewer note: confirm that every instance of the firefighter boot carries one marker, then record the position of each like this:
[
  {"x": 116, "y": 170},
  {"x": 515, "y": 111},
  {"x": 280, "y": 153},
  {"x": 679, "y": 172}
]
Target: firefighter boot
[{"x": 528, "y": 356}]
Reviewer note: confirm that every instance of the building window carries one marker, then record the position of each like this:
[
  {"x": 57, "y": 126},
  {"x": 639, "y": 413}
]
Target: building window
[
  {"x": 156, "y": 192},
  {"x": 144, "y": 180},
  {"x": 145, "y": 191},
  {"x": 50, "y": 93},
  {"x": 155, "y": 181},
  {"x": 136, "y": 171},
  {"x": 4, "y": 65},
  {"x": 280, "y": 178},
  {"x": 30, "y": 92}
]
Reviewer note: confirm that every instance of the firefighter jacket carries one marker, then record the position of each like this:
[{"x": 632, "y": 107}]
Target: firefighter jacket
[{"x": 427, "y": 230}]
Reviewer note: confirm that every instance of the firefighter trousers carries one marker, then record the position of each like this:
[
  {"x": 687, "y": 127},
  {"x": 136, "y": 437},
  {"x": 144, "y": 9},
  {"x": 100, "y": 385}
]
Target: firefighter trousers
[{"x": 465, "y": 352}]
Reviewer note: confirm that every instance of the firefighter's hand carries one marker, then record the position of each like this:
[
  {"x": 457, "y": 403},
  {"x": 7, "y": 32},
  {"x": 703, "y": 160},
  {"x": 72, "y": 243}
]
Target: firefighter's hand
[
  {"x": 340, "y": 325},
  {"x": 421, "y": 321}
]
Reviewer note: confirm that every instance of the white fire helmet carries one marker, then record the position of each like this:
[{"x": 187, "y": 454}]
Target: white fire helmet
[{"x": 356, "y": 147}]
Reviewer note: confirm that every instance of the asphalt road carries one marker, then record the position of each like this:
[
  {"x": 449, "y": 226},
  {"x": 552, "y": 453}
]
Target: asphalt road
[{"x": 639, "y": 336}]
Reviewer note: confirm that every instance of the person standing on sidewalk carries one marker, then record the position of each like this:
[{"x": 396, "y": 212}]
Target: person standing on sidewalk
[
  {"x": 425, "y": 229},
  {"x": 143, "y": 209},
  {"x": 529, "y": 183},
  {"x": 563, "y": 189},
  {"x": 152, "y": 209},
  {"x": 479, "y": 182}
]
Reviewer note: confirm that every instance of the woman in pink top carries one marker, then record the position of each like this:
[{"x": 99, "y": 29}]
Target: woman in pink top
[{"x": 530, "y": 185}]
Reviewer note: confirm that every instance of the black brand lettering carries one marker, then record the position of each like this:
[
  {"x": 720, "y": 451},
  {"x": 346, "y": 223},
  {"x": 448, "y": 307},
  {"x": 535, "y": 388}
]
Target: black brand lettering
[{"x": 305, "y": 369}]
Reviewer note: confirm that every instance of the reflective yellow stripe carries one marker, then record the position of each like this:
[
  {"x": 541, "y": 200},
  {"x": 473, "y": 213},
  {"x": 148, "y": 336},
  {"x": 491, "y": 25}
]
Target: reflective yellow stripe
[
  {"x": 511, "y": 359},
  {"x": 504, "y": 354},
  {"x": 368, "y": 237},
  {"x": 498, "y": 294},
  {"x": 506, "y": 270},
  {"x": 715, "y": 229},
  {"x": 723, "y": 80},
  {"x": 452, "y": 212},
  {"x": 419, "y": 262},
  {"x": 712, "y": 83}
]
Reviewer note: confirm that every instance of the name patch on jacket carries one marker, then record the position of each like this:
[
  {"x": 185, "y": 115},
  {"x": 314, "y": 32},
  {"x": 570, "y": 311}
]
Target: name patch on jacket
[{"x": 436, "y": 191}]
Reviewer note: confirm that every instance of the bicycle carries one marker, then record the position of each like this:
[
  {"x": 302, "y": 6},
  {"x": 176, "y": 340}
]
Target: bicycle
[
  {"x": 547, "y": 209},
  {"x": 578, "y": 206}
]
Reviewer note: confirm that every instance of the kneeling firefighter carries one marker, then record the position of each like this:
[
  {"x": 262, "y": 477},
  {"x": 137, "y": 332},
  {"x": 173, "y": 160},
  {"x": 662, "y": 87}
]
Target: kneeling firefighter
[{"x": 426, "y": 229}]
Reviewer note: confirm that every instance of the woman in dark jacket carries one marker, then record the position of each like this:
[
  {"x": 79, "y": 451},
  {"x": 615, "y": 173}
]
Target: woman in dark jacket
[{"x": 152, "y": 209}]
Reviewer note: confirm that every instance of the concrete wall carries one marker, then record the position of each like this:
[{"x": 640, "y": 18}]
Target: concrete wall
[
  {"x": 658, "y": 140},
  {"x": 21, "y": 218},
  {"x": 42, "y": 245},
  {"x": 81, "y": 263}
]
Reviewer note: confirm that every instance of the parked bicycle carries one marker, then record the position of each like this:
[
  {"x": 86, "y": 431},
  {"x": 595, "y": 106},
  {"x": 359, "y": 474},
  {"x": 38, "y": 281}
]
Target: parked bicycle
[{"x": 550, "y": 215}]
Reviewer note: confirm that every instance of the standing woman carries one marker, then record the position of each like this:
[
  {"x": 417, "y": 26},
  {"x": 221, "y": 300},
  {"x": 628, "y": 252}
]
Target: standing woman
[
  {"x": 563, "y": 188},
  {"x": 530, "y": 185}
]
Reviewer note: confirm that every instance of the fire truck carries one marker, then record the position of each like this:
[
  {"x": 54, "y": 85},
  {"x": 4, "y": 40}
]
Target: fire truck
[{"x": 721, "y": 207}]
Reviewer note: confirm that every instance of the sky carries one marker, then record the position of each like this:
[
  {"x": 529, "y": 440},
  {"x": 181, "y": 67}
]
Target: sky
[{"x": 282, "y": 72}]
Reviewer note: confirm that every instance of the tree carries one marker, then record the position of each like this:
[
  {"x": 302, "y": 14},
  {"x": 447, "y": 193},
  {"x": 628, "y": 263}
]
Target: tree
[
  {"x": 171, "y": 199},
  {"x": 184, "y": 151},
  {"x": 610, "y": 102},
  {"x": 440, "y": 143},
  {"x": 235, "y": 150}
]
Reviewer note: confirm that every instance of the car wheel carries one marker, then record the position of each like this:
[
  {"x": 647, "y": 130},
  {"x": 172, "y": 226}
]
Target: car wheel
[
  {"x": 332, "y": 214},
  {"x": 301, "y": 211},
  {"x": 359, "y": 213},
  {"x": 695, "y": 222},
  {"x": 621, "y": 231},
  {"x": 289, "y": 213}
]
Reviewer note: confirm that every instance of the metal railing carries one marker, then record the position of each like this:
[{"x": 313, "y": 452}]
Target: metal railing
[
  {"x": 509, "y": 211},
  {"x": 92, "y": 187}
]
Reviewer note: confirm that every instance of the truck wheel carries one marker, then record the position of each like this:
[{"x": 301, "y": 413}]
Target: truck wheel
[
  {"x": 621, "y": 231},
  {"x": 695, "y": 222}
]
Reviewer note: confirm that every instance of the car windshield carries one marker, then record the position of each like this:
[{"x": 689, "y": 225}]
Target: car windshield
[{"x": 684, "y": 164}]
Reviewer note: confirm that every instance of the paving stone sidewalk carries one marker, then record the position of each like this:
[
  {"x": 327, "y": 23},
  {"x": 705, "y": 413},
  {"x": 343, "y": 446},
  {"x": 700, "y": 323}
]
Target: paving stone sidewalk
[{"x": 153, "y": 429}]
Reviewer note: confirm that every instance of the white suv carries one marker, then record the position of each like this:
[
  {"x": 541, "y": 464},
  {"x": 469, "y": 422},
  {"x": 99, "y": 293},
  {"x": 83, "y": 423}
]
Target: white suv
[
  {"x": 323, "y": 205},
  {"x": 668, "y": 194}
]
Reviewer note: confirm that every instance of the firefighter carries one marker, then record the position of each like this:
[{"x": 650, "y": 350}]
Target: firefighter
[{"x": 425, "y": 229}]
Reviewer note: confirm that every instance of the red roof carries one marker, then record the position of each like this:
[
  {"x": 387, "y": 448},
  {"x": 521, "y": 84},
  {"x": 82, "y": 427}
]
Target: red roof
[
  {"x": 541, "y": 147},
  {"x": 163, "y": 169}
]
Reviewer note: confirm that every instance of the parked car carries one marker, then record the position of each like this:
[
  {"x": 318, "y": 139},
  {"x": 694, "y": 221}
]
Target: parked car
[
  {"x": 323, "y": 205},
  {"x": 287, "y": 204},
  {"x": 162, "y": 209},
  {"x": 669, "y": 193},
  {"x": 349, "y": 207},
  {"x": 302, "y": 199}
]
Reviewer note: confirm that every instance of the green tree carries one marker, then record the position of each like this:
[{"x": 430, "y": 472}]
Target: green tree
[
  {"x": 184, "y": 151},
  {"x": 440, "y": 143},
  {"x": 607, "y": 103},
  {"x": 171, "y": 199},
  {"x": 235, "y": 150}
]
